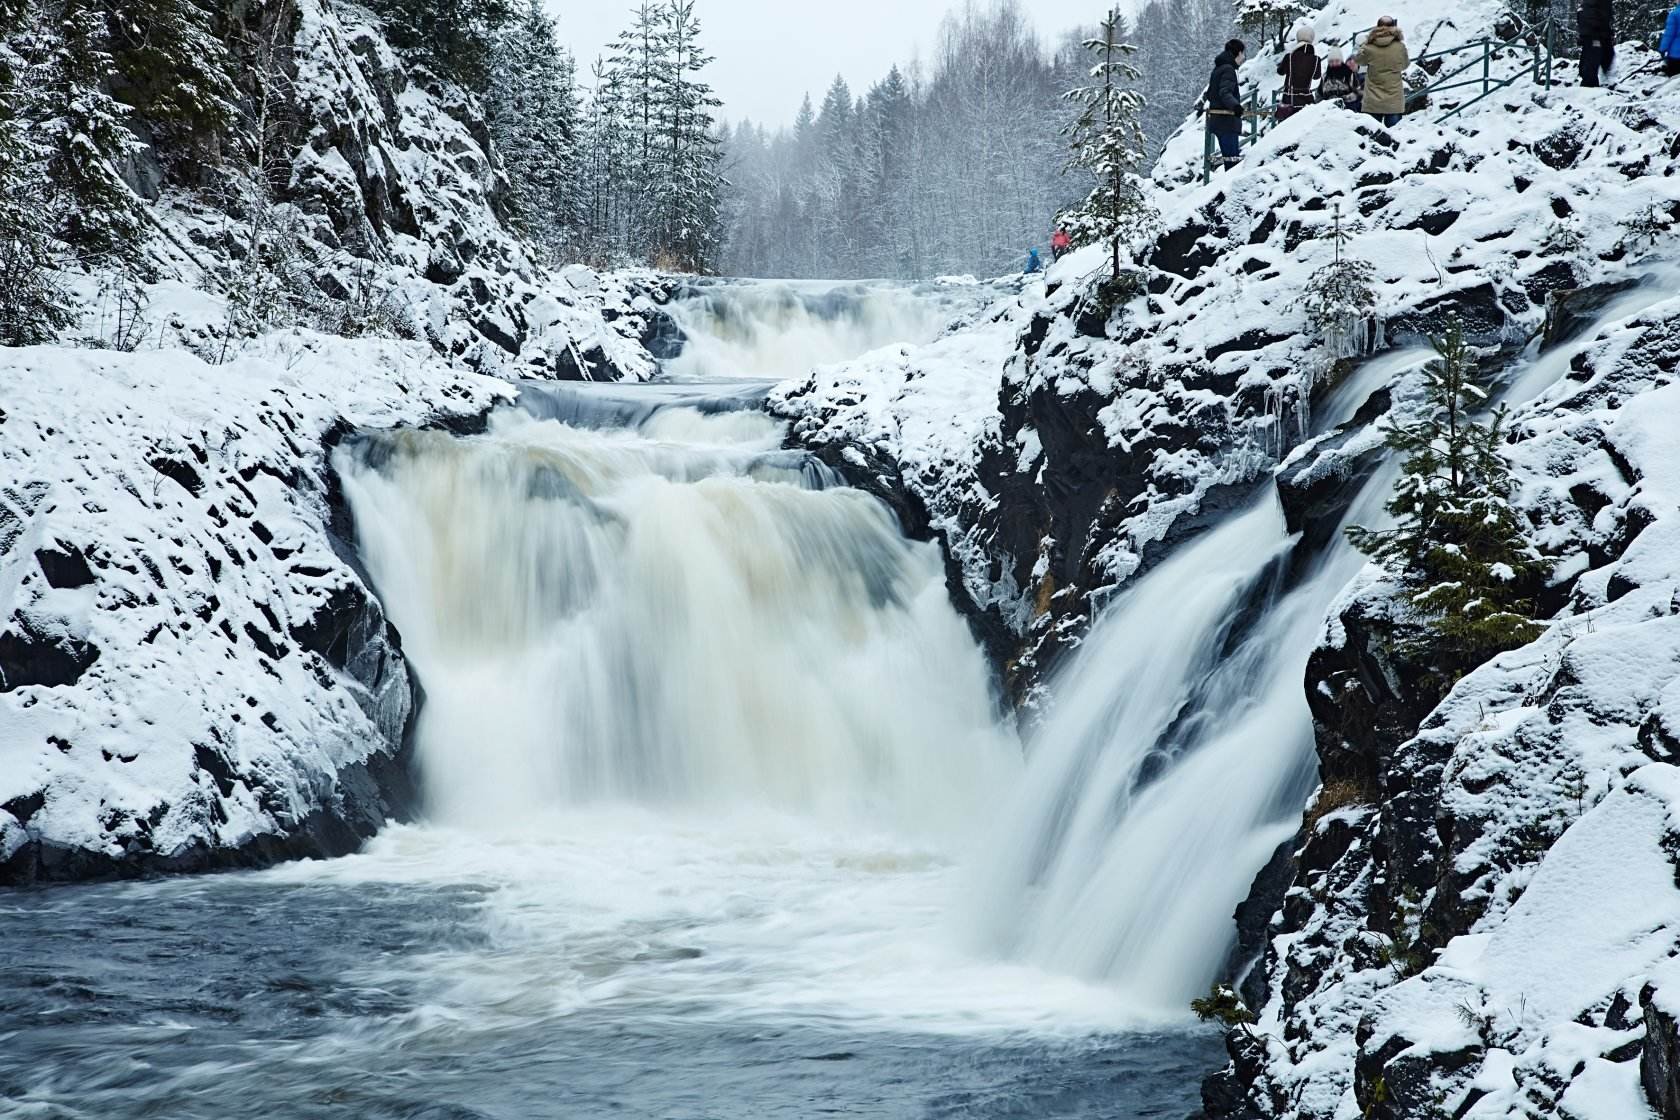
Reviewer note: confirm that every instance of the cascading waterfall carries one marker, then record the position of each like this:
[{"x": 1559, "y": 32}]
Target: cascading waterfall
[
  {"x": 770, "y": 328},
  {"x": 1179, "y": 747},
  {"x": 670, "y": 614},
  {"x": 1176, "y": 757}
]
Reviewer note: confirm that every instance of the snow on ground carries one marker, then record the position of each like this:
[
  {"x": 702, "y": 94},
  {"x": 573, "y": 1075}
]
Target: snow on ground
[{"x": 186, "y": 663}]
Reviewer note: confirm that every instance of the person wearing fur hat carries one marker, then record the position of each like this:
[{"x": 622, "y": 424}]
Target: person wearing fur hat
[
  {"x": 1385, "y": 59},
  {"x": 1301, "y": 70},
  {"x": 1341, "y": 81}
]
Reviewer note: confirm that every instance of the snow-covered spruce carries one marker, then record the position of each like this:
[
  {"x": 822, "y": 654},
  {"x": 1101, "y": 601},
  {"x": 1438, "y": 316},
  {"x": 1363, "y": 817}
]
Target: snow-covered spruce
[
  {"x": 192, "y": 672},
  {"x": 1108, "y": 433}
]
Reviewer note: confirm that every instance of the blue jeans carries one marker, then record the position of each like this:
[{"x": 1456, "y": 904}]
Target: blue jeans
[
  {"x": 1389, "y": 120},
  {"x": 1230, "y": 143}
]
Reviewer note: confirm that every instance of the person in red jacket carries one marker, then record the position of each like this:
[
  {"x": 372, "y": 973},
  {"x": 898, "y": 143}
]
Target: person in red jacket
[{"x": 1060, "y": 243}]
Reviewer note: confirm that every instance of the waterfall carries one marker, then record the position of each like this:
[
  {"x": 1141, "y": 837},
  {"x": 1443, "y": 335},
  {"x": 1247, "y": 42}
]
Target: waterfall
[
  {"x": 1178, "y": 751},
  {"x": 676, "y": 613},
  {"x": 1176, "y": 758},
  {"x": 778, "y": 328}
]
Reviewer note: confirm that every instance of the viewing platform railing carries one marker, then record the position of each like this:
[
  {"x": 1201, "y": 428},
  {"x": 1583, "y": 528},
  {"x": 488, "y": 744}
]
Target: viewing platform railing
[{"x": 1474, "y": 73}]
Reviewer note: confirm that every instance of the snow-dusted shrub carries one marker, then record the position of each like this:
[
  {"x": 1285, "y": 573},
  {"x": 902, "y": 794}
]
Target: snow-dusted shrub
[{"x": 1340, "y": 298}]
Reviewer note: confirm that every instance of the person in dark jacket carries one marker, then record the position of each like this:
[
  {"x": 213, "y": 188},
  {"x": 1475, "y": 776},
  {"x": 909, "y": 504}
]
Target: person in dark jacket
[
  {"x": 1224, "y": 102},
  {"x": 1596, "y": 24},
  {"x": 1341, "y": 81},
  {"x": 1669, "y": 48},
  {"x": 1301, "y": 70}
]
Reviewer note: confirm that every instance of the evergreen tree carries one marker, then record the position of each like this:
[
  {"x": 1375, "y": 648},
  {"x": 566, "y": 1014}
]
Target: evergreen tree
[
  {"x": 455, "y": 37},
  {"x": 532, "y": 110},
  {"x": 1339, "y": 298},
  {"x": 96, "y": 213},
  {"x": 34, "y": 306},
  {"x": 1459, "y": 549},
  {"x": 606, "y": 149},
  {"x": 1108, "y": 142},
  {"x": 1264, "y": 17},
  {"x": 686, "y": 167},
  {"x": 175, "y": 72}
]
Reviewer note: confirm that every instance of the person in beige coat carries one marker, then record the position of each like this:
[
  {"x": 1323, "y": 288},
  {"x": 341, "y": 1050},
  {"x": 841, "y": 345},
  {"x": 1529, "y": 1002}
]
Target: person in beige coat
[{"x": 1385, "y": 59}]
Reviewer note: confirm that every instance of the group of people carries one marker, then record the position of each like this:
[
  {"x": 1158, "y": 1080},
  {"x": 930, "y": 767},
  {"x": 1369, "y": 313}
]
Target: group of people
[
  {"x": 1373, "y": 81},
  {"x": 1060, "y": 242}
]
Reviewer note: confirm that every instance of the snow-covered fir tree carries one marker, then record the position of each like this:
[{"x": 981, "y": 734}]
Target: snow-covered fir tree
[
  {"x": 176, "y": 71},
  {"x": 532, "y": 109},
  {"x": 686, "y": 175},
  {"x": 34, "y": 305},
  {"x": 651, "y": 150},
  {"x": 1339, "y": 298},
  {"x": 604, "y": 151},
  {"x": 454, "y": 37},
  {"x": 1459, "y": 550},
  {"x": 96, "y": 213},
  {"x": 1108, "y": 142}
]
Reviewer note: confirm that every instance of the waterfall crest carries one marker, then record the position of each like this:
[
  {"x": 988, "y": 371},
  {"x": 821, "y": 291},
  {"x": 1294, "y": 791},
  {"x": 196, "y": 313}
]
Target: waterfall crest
[{"x": 770, "y": 328}]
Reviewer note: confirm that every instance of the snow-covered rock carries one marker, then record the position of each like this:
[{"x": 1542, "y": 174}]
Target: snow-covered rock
[
  {"x": 1479, "y": 938},
  {"x": 193, "y": 672},
  {"x": 396, "y": 198}
]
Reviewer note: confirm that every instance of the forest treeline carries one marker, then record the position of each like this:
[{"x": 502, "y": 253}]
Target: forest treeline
[{"x": 956, "y": 163}]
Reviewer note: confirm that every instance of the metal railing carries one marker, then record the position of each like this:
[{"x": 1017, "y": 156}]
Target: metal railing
[{"x": 1261, "y": 119}]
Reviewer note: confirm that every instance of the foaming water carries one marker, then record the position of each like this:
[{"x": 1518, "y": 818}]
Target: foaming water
[
  {"x": 705, "y": 751},
  {"x": 669, "y": 616},
  {"x": 780, "y": 329}
]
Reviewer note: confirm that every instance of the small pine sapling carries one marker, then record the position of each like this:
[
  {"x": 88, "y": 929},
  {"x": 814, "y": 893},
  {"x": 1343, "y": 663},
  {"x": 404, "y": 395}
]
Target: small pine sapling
[
  {"x": 1108, "y": 142},
  {"x": 1340, "y": 297},
  {"x": 1459, "y": 550},
  {"x": 1222, "y": 1005}
]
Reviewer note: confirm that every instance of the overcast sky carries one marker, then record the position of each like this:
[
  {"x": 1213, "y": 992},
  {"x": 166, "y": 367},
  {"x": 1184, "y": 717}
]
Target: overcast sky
[{"x": 771, "y": 52}]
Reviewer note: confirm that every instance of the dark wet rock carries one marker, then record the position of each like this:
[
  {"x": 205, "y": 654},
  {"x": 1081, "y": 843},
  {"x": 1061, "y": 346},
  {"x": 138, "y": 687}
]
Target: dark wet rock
[
  {"x": 65, "y": 566},
  {"x": 34, "y": 654},
  {"x": 1570, "y": 310},
  {"x": 179, "y": 471},
  {"x": 1659, "y": 1058}
]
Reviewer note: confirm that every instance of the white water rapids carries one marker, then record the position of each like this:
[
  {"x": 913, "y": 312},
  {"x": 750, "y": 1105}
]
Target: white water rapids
[
  {"x": 711, "y": 727},
  {"x": 779, "y": 329}
]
